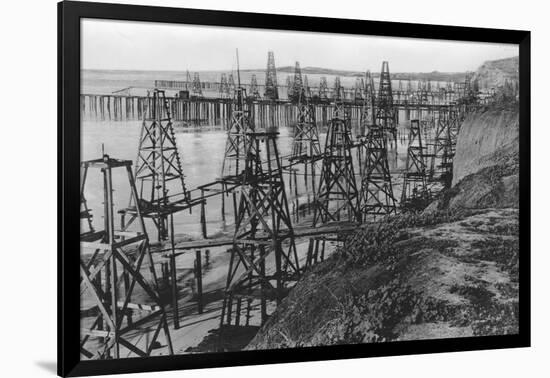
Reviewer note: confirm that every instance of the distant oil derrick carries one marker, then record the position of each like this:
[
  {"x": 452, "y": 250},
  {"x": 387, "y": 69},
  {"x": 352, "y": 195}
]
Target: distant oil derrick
[
  {"x": 297, "y": 84},
  {"x": 338, "y": 93},
  {"x": 124, "y": 304},
  {"x": 385, "y": 111},
  {"x": 231, "y": 83},
  {"x": 158, "y": 169},
  {"x": 469, "y": 92},
  {"x": 376, "y": 187},
  {"x": 368, "y": 109},
  {"x": 240, "y": 125},
  {"x": 307, "y": 89},
  {"x": 188, "y": 82},
  {"x": 337, "y": 196},
  {"x": 358, "y": 90},
  {"x": 323, "y": 89},
  {"x": 306, "y": 138},
  {"x": 423, "y": 93},
  {"x": 224, "y": 87},
  {"x": 409, "y": 87},
  {"x": 441, "y": 167},
  {"x": 271, "y": 89},
  {"x": 196, "y": 90},
  {"x": 415, "y": 194},
  {"x": 289, "y": 87},
  {"x": 263, "y": 234},
  {"x": 254, "y": 91}
]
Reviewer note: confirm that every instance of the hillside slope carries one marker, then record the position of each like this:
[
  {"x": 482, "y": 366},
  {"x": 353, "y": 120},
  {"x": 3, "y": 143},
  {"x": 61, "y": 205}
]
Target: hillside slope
[{"x": 495, "y": 73}]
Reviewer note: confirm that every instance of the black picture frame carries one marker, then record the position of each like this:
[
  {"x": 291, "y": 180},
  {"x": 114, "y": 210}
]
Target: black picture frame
[{"x": 69, "y": 15}]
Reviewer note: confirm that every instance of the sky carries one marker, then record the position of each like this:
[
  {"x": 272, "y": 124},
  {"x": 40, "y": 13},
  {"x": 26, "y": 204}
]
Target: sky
[{"x": 129, "y": 45}]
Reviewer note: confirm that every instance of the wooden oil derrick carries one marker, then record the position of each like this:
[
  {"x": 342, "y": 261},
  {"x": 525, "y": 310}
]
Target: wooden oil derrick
[
  {"x": 263, "y": 234},
  {"x": 415, "y": 194},
  {"x": 337, "y": 196},
  {"x": 297, "y": 85},
  {"x": 196, "y": 89},
  {"x": 368, "y": 108},
  {"x": 240, "y": 125},
  {"x": 307, "y": 89},
  {"x": 367, "y": 120},
  {"x": 441, "y": 167},
  {"x": 231, "y": 83},
  {"x": 358, "y": 90},
  {"x": 385, "y": 111},
  {"x": 376, "y": 187},
  {"x": 254, "y": 91},
  {"x": 224, "y": 87},
  {"x": 111, "y": 277},
  {"x": 423, "y": 93},
  {"x": 158, "y": 169},
  {"x": 306, "y": 138},
  {"x": 188, "y": 82},
  {"x": 289, "y": 87},
  {"x": 271, "y": 89},
  {"x": 338, "y": 93},
  {"x": 323, "y": 89}
]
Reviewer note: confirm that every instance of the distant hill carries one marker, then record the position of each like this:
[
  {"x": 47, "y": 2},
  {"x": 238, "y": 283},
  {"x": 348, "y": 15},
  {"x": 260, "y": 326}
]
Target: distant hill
[
  {"x": 433, "y": 76},
  {"x": 495, "y": 73}
]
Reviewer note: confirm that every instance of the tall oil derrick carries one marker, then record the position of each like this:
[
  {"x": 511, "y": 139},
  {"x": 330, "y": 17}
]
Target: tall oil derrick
[
  {"x": 376, "y": 197},
  {"x": 271, "y": 89},
  {"x": 254, "y": 91},
  {"x": 110, "y": 276},
  {"x": 358, "y": 90},
  {"x": 370, "y": 100},
  {"x": 297, "y": 85},
  {"x": 224, "y": 87},
  {"x": 323, "y": 89},
  {"x": 234, "y": 155},
  {"x": 441, "y": 167},
  {"x": 263, "y": 233},
  {"x": 367, "y": 120},
  {"x": 338, "y": 92},
  {"x": 196, "y": 90},
  {"x": 158, "y": 169},
  {"x": 415, "y": 194},
  {"x": 337, "y": 196},
  {"x": 368, "y": 109},
  {"x": 306, "y": 138},
  {"x": 385, "y": 111}
]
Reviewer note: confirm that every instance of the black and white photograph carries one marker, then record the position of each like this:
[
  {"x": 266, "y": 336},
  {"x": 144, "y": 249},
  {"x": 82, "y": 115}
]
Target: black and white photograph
[{"x": 247, "y": 189}]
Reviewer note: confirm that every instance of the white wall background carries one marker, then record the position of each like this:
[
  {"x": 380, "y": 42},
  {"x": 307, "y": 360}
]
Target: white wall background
[{"x": 28, "y": 186}]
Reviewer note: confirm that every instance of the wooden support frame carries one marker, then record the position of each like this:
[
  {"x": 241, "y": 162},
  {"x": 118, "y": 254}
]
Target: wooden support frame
[{"x": 119, "y": 255}]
